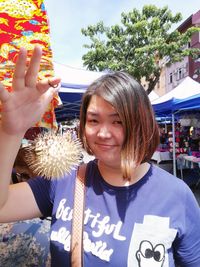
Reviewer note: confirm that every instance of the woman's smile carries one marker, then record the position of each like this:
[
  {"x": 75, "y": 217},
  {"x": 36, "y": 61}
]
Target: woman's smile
[{"x": 105, "y": 146}]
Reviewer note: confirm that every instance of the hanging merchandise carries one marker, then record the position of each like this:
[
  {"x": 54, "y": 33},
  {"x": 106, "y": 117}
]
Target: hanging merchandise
[
  {"x": 25, "y": 24},
  {"x": 196, "y": 120},
  {"x": 186, "y": 120}
]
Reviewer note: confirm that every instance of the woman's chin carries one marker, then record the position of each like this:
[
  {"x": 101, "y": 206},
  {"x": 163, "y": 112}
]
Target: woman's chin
[{"x": 110, "y": 161}]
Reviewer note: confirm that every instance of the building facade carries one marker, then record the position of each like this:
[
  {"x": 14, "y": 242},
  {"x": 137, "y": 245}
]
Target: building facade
[{"x": 174, "y": 74}]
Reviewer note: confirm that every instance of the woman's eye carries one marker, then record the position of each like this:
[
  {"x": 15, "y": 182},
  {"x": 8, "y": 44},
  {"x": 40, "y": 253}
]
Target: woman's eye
[
  {"x": 92, "y": 121},
  {"x": 117, "y": 122}
]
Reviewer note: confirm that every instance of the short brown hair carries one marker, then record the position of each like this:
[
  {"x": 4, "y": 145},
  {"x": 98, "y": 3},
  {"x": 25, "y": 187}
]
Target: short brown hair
[{"x": 131, "y": 102}]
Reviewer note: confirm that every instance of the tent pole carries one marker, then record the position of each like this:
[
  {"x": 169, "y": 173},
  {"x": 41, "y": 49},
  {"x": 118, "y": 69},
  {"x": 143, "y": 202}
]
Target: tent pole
[{"x": 174, "y": 145}]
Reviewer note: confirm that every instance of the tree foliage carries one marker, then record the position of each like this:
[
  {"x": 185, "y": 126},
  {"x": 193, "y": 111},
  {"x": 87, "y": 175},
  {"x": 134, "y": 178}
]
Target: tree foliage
[{"x": 141, "y": 45}]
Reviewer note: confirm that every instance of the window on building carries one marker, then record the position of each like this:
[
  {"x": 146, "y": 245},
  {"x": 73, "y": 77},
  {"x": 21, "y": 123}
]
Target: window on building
[
  {"x": 197, "y": 58},
  {"x": 180, "y": 73},
  {"x": 170, "y": 77}
]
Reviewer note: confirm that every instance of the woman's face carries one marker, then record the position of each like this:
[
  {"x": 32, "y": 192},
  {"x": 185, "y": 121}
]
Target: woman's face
[{"x": 104, "y": 131}]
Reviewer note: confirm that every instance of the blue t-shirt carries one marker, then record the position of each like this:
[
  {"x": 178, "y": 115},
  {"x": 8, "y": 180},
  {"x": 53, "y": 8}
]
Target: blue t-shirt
[{"x": 152, "y": 223}]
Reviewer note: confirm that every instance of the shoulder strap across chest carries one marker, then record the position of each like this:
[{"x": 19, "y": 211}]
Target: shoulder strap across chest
[{"x": 78, "y": 218}]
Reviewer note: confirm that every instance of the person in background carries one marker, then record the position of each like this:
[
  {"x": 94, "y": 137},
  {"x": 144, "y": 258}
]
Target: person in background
[{"x": 136, "y": 214}]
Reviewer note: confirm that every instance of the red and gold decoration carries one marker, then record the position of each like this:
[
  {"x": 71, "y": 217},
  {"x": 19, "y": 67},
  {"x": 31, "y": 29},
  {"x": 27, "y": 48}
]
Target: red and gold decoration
[{"x": 24, "y": 23}]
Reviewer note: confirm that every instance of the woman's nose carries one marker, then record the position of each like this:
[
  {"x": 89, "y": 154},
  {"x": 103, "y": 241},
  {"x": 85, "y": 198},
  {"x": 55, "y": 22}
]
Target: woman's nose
[{"x": 104, "y": 132}]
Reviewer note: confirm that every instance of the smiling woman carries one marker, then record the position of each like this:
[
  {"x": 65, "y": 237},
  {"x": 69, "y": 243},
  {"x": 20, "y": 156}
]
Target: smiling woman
[
  {"x": 121, "y": 115},
  {"x": 129, "y": 203}
]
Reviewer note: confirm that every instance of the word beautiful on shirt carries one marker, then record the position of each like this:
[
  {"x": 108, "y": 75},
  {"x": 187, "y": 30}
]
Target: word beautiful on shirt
[{"x": 100, "y": 226}]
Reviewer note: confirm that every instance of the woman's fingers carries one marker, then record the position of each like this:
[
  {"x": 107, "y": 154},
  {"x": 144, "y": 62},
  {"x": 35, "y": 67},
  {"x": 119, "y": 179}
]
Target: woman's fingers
[
  {"x": 24, "y": 76},
  {"x": 28, "y": 77},
  {"x": 20, "y": 69},
  {"x": 4, "y": 95},
  {"x": 45, "y": 84},
  {"x": 34, "y": 67},
  {"x": 54, "y": 82}
]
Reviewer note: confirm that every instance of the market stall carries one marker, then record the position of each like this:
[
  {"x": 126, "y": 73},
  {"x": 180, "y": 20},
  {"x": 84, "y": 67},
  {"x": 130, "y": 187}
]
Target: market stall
[
  {"x": 184, "y": 99},
  {"x": 160, "y": 156}
]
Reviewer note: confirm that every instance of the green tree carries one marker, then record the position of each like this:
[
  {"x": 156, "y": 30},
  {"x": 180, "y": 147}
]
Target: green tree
[{"x": 141, "y": 45}]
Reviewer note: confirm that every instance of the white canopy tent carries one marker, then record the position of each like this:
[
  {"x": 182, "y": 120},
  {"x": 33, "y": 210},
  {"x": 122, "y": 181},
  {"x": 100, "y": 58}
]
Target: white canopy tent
[
  {"x": 73, "y": 79},
  {"x": 188, "y": 87},
  {"x": 153, "y": 96}
]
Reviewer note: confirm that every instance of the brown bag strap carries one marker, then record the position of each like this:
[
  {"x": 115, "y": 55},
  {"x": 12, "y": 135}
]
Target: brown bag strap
[{"x": 78, "y": 219}]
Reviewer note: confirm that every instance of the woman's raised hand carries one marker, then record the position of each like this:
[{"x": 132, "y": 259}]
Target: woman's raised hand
[{"x": 26, "y": 104}]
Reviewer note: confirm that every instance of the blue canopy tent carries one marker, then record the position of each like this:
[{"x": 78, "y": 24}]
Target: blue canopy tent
[
  {"x": 74, "y": 82},
  {"x": 70, "y": 96},
  {"x": 189, "y": 103},
  {"x": 177, "y": 98},
  {"x": 186, "y": 96},
  {"x": 177, "y": 105}
]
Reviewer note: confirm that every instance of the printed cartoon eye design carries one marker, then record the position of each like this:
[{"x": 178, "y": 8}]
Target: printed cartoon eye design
[
  {"x": 147, "y": 253},
  {"x": 146, "y": 249},
  {"x": 159, "y": 252}
]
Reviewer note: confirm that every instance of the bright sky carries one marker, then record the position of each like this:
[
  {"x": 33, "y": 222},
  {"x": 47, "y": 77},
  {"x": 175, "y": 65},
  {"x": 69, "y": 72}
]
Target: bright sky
[{"x": 67, "y": 17}]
